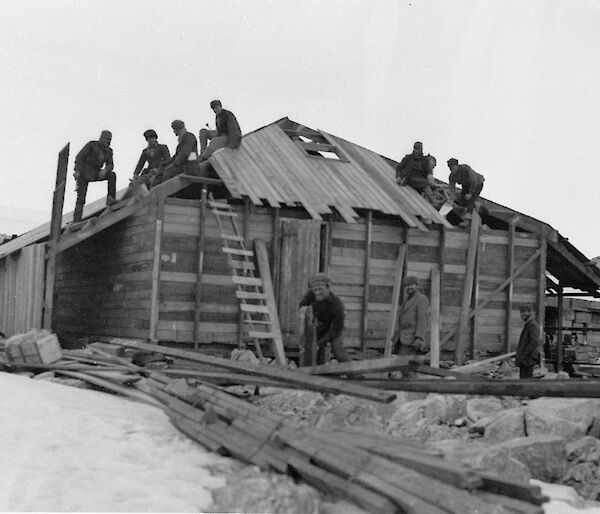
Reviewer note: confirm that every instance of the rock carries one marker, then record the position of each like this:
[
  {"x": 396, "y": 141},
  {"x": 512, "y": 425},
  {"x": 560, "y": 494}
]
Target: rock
[
  {"x": 569, "y": 418},
  {"x": 542, "y": 371},
  {"x": 509, "y": 424},
  {"x": 594, "y": 430},
  {"x": 357, "y": 415},
  {"x": 409, "y": 413},
  {"x": 586, "y": 449},
  {"x": 478, "y": 408},
  {"x": 483, "y": 457},
  {"x": 443, "y": 407},
  {"x": 583, "y": 477},
  {"x": 544, "y": 456},
  {"x": 561, "y": 375}
]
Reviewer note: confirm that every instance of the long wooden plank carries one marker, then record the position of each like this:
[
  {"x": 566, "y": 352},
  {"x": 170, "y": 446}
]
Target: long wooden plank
[
  {"x": 395, "y": 299},
  {"x": 262, "y": 259},
  {"x": 295, "y": 377},
  {"x": 510, "y": 288},
  {"x": 366, "y": 281},
  {"x": 434, "y": 345},
  {"x": 362, "y": 367},
  {"x": 158, "y": 232},
  {"x": 200, "y": 266}
]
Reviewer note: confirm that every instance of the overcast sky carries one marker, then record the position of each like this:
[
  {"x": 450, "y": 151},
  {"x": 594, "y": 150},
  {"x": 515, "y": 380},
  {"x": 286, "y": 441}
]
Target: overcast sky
[{"x": 509, "y": 87}]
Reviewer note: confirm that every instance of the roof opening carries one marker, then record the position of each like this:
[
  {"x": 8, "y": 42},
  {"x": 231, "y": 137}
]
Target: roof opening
[{"x": 315, "y": 144}]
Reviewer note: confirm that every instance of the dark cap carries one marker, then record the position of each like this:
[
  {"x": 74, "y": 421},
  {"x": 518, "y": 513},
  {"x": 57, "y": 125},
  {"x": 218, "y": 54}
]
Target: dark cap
[
  {"x": 418, "y": 144},
  {"x": 319, "y": 279},
  {"x": 411, "y": 280},
  {"x": 452, "y": 162},
  {"x": 106, "y": 133},
  {"x": 525, "y": 307},
  {"x": 150, "y": 133},
  {"x": 214, "y": 103},
  {"x": 178, "y": 124}
]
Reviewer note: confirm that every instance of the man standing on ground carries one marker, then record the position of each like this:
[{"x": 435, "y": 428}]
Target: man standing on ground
[
  {"x": 154, "y": 155},
  {"x": 185, "y": 159},
  {"x": 227, "y": 135},
  {"x": 94, "y": 163},
  {"x": 328, "y": 310},
  {"x": 471, "y": 183},
  {"x": 528, "y": 351},
  {"x": 416, "y": 170},
  {"x": 413, "y": 323}
]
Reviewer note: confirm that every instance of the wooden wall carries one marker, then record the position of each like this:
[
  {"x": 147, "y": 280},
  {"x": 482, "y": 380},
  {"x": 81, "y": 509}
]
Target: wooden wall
[
  {"x": 104, "y": 284},
  {"x": 22, "y": 290}
]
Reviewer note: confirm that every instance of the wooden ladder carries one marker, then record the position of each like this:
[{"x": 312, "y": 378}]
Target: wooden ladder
[{"x": 261, "y": 317}]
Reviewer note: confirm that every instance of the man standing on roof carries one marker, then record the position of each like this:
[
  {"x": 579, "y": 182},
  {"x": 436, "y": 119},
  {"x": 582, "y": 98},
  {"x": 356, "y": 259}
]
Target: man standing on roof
[
  {"x": 528, "y": 351},
  {"x": 416, "y": 170},
  {"x": 471, "y": 183},
  {"x": 413, "y": 323},
  {"x": 185, "y": 159},
  {"x": 154, "y": 155},
  {"x": 328, "y": 311},
  {"x": 94, "y": 163},
  {"x": 227, "y": 135}
]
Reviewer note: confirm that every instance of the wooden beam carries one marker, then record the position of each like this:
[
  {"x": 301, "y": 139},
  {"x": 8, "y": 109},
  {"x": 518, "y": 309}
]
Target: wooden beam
[
  {"x": 459, "y": 353},
  {"x": 395, "y": 298},
  {"x": 434, "y": 346},
  {"x": 200, "y": 266},
  {"x": 310, "y": 382},
  {"x": 491, "y": 296},
  {"x": 473, "y": 368},
  {"x": 364, "y": 366},
  {"x": 559, "y": 330},
  {"x": 276, "y": 247},
  {"x": 541, "y": 297},
  {"x": 442, "y": 256},
  {"x": 475, "y": 301},
  {"x": 510, "y": 288},
  {"x": 58, "y": 201},
  {"x": 366, "y": 281},
  {"x": 262, "y": 259},
  {"x": 573, "y": 261},
  {"x": 245, "y": 235},
  {"x": 154, "y": 299}
]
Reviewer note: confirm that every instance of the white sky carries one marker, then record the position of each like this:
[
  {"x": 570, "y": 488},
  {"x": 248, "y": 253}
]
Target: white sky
[{"x": 509, "y": 87}]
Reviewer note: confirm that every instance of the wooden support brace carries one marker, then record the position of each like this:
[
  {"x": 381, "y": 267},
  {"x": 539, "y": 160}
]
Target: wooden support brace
[{"x": 395, "y": 299}]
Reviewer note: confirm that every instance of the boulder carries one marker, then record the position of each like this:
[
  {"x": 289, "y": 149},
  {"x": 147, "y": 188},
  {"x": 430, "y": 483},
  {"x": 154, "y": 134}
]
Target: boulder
[
  {"x": 445, "y": 408},
  {"x": 409, "y": 413},
  {"x": 586, "y": 449},
  {"x": 483, "y": 457},
  {"x": 478, "y": 408},
  {"x": 583, "y": 477},
  {"x": 351, "y": 415},
  {"x": 569, "y": 418},
  {"x": 544, "y": 456},
  {"x": 509, "y": 424}
]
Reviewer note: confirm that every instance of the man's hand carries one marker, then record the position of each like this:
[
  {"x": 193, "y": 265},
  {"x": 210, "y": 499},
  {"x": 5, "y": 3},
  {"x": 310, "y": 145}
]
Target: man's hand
[
  {"x": 431, "y": 180},
  {"x": 419, "y": 344},
  {"x": 76, "y": 174}
]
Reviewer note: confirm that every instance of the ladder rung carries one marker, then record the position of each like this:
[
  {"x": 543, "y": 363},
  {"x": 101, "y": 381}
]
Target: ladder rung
[
  {"x": 232, "y": 237},
  {"x": 248, "y": 307},
  {"x": 238, "y": 251},
  {"x": 250, "y": 295},
  {"x": 261, "y": 335},
  {"x": 245, "y": 265},
  {"x": 219, "y": 205},
  {"x": 231, "y": 214},
  {"x": 247, "y": 281},
  {"x": 258, "y": 322}
]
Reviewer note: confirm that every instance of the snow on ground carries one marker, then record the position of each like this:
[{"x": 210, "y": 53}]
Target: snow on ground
[{"x": 69, "y": 449}]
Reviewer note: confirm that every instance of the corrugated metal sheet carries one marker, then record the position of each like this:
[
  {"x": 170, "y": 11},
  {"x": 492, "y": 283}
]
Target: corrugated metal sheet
[
  {"x": 22, "y": 290},
  {"x": 269, "y": 166}
]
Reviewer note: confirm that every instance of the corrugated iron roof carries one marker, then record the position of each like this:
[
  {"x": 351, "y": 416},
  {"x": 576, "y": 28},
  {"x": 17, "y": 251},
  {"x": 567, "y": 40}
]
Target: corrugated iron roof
[{"x": 270, "y": 166}]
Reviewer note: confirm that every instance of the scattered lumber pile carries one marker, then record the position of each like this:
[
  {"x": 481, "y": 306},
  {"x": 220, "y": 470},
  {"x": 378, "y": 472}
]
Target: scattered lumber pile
[{"x": 381, "y": 474}]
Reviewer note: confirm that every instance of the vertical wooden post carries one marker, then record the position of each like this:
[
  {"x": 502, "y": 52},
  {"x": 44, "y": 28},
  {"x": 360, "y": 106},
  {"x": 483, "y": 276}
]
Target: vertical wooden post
[
  {"x": 541, "y": 313},
  {"x": 395, "y": 298},
  {"x": 459, "y": 353},
  {"x": 366, "y": 282},
  {"x": 559, "y": 330},
  {"x": 155, "y": 296},
  {"x": 58, "y": 201},
  {"x": 510, "y": 287},
  {"x": 475, "y": 302},
  {"x": 434, "y": 345},
  {"x": 200, "y": 268},
  {"x": 442, "y": 257},
  {"x": 246, "y": 234},
  {"x": 276, "y": 248}
]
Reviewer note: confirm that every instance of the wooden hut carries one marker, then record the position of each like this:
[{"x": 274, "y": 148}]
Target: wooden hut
[{"x": 155, "y": 269}]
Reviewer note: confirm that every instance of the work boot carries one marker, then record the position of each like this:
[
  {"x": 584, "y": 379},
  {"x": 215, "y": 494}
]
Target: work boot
[{"x": 110, "y": 200}]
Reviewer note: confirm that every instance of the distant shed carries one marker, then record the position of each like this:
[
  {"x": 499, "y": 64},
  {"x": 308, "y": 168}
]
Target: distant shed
[{"x": 320, "y": 203}]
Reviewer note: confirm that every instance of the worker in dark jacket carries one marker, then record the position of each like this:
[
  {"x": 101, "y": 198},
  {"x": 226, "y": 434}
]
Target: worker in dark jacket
[
  {"x": 416, "y": 170},
  {"x": 471, "y": 184},
  {"x": 328, "y": 311},
  {"x": 94, "y": 163},
  {"x": 414, "y": 320},
  {"x": 227, "y": 135},
  {"x": 154, "y": 156},
  {"x": 185, "y": 159},
  {"x": 528, "y": 351}
]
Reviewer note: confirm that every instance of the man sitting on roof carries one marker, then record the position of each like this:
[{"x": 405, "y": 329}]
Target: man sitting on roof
[
  {"x": 227, "y": 135},
  {"x": 94, "y": 163},
  {"x": 416, "y": 170},
  {"x": 185, "y": 159},
  {"x": 154, "y": 155}
]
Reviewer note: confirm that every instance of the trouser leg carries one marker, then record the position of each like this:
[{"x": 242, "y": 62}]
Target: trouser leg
[
  {"x": 82, "y": 185},
  {"x": 204, "y": 136},
  {"x": 526, "y": 372},
  {"x": 339, "y": 352},
  {"x": 321, "y": 349},
  {"x": 111, "y": 179},
  {"x": 215, "y": 143}
]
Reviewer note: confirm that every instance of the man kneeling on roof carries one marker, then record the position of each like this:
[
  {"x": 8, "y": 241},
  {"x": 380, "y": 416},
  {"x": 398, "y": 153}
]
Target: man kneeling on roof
[
  {"x": 185, "y": 159},
  {"x": 328, "y": 310},
  {"x": 153, "y": 157}
]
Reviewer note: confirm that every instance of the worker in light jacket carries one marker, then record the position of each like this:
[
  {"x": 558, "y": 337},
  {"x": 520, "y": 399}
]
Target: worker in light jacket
[
  {"x": 528, "y": 350},
  {"x": 413, "y": 323}
]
